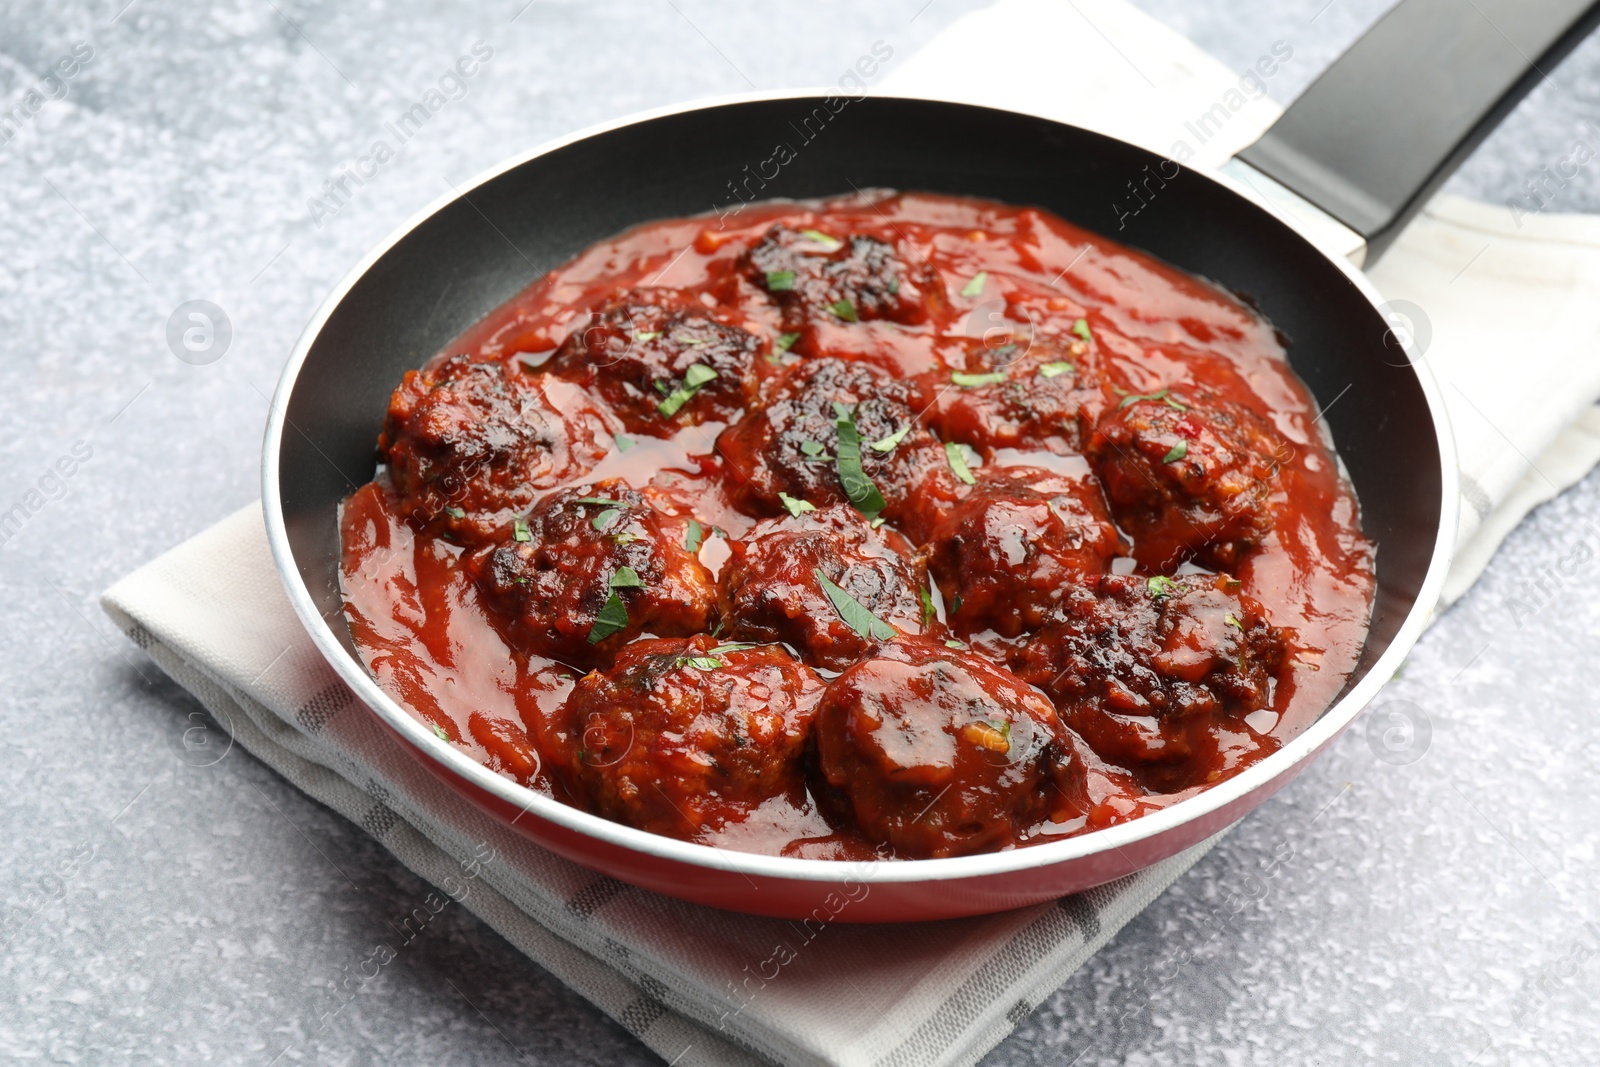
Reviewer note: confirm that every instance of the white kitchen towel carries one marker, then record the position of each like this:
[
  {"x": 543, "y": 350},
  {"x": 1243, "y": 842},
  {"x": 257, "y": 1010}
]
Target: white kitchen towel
[{"x": 690, "y": 982}]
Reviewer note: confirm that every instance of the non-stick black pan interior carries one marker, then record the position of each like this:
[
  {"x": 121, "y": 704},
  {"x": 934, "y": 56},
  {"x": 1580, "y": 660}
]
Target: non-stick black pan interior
[{"x": 482, "y": 248}]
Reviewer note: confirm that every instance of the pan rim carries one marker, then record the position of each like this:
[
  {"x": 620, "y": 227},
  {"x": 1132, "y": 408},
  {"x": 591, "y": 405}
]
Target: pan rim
[{"x": 1333, "y": 720}]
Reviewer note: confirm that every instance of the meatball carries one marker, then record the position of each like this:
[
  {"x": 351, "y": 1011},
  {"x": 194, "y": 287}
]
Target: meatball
[
  {"x": 768, "y": 590},
  {"x": 791, "y": 447},
  {"x": 939, "y": 752},
  {"x": 1148, "y": 669},
  {"x": 469, "y": 444},
  {"x": 640, "y": 357},
  {"x": 1188, "y": 476},
  {"x": 846, "y": 278},
  {"x": 1026, "y": 394},
  {"x": 1007, "y": 553},
  {"x": 589, "y": 570},
  {"x": 683, "y": 736}
]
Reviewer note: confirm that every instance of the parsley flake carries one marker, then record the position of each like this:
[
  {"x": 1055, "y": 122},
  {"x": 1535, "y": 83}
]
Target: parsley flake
[
  {"x": 812, "y": 448},
  {"x": 438, "y": 731},
  {"x": 955, "y": 453},
  {"x": 519, "y": 529},
  {"x": 858, "y": 487},
  {"x": 1176, "y": 452},
  {"x": 786, "y": 341},
  {"x": 624, "y": 442},
  {"x": 602, "y": 520},
  {"x": 648, "y": 335},
  {"x": 975, "y": 286},
  {"x": 795, "y": 507},
  {"x": 456, "y": 513},
  {"x": 626, "y": 578},
  {"x": 853, "y": 612},
  {"x": 1161, "y": 586},
  {"x": 886, "y": 444},
  {"x": 692, "y": 536},
  {"x": 1081, "y": 328},
  {"x": 952, "y": 643},
  {"x": 831, "y": 244},
  {"x": 732, "y": 646},
  {"x": 1163, "y": 395},
  {"x": 845, "y": 310},
  {"x": 696, "y": 376},
  {"x": 703, "y": 663},
  {"x": 780, "y": 281},
  {"x": 613, "y": 618},
  {"x": 972, "y": 381},
  {"x": 928, "y": 612},
  {"x": 1059, "y": 367},
  {"x": 606, "y": 501}
]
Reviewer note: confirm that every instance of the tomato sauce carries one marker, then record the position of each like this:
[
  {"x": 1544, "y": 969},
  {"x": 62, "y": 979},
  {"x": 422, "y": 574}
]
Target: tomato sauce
[{"x": 1106, "y": 553}]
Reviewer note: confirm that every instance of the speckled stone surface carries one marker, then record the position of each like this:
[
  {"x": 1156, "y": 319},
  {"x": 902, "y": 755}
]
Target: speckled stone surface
[{"x": 1434, "y": 911}]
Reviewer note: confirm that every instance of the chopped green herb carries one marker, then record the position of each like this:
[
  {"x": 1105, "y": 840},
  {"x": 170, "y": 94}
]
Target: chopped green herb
[
  {"x": 1060, "y": 366},
  {"x": 1159, "y": 394},
  {"x": 955, "y": 604},
  {"x": 625, "y": 538},
  {"x": 1176, "y": 452},
  {"x": 972, "y": 381},
  {"x": 648, "y": 335},
  {"x": 693, "y": 536},
  {"x": 1232, "y": 621},
  {"x": 831, "y": 243},
  {"x": 1161, "y": 585},
  {"x": 955, "y": 454},
  {"x": 853, "y": 612},
  {"x": 519, "y": 529},
  {"x": 455, "y": 513},
  {"x": 438, "y": 731},
  {"x": 928, "y": 611},
  {"x": 602, "y": 520},
  {"x": 704, "y": 663},
  {"x": 844, "y": 309},
  {"x": 796, "y": 507},
  {"x": 812, "y": 448},
  {"x": 604, "y": 501},
  {"x": 613, "y": 618},
  {"x": 952, "y": 643},
  {"x": 975, "y": 286},
  {"x": 1081, "y": 328},
  {"x": 626, "y": 578},
  {"x": 780, "y": 281},
  {"x": 858, "y": 487},
  {"x": 886, "y": 444},
  {"x": 692, "y": 342},
  {"x": 624, "y": 442},
  {"x": 732, "y": 646},
  {"x": 696, "y": 376},
  {"x": 1004, "y": 350},
  {"x": 894, "y": 285},
  {"x": 786, "y": 341}
]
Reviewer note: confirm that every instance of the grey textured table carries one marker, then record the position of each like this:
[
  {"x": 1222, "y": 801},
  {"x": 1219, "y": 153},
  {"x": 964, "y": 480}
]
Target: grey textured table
[{"x": 156, "y": 911}]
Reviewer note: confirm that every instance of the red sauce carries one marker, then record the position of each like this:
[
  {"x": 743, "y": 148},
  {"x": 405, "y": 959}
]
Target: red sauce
[{"x": 1117, "y": 557}]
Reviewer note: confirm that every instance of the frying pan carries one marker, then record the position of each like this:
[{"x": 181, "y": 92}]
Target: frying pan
[{"x": 1286, "y": 225}]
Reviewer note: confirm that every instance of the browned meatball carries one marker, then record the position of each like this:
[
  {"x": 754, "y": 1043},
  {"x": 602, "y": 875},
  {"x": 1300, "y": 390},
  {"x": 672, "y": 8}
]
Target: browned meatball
[
  {"x": 1153, "y": 671},
  {"x": 938, "y": 752},
  {"x": 838, "y": 277},
  {"x": 639, "y": 353},
  {"x": 1188, "y": 475},
  {"x": 681, "y": 736},
  {"x": 768, "y": 589},
  {"x": 589, "y": 570},
  {"x": 1006, "y": 554},
  {"x": 1024, "y": 394},
  {"x": 791, "y": 446},
  {"x": 469, "y": 444}
]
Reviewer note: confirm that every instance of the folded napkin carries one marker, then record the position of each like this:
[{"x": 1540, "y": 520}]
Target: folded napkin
[{"x": 695, "y": 985}]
